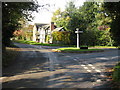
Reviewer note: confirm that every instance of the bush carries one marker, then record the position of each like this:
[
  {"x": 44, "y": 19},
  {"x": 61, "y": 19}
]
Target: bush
[
  {"x": 61, "y": 37},
  {"x": 116, "y": 73},
  {"x": 47, "y": 38}
]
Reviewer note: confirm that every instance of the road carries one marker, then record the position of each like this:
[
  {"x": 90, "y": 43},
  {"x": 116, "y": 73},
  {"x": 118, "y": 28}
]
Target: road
[{"x": 39, "y": 67}]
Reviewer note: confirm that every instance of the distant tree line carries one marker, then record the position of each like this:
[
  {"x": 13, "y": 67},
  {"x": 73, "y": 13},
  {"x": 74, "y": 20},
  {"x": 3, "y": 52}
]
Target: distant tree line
[
  {"x": 113, "y": 10},
  {"x": 99, "y": 21},
  {"x": 95, "y": 19}
]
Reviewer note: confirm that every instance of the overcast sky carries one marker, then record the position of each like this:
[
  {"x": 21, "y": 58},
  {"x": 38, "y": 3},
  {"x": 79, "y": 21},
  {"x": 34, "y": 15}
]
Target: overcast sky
[{"x": 44, "y": 16}]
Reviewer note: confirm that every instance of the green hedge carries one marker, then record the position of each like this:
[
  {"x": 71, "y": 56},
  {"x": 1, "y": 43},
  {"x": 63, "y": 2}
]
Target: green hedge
[
  {"x": 116, "y": 73},
  {"x": 61, "y": 37}
]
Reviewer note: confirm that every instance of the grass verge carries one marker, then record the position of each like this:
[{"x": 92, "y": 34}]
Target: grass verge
[
  {"x": 73, "y": 49},
  {"x": 105, "y": 47},
  {"x": 43, "y": 44}
]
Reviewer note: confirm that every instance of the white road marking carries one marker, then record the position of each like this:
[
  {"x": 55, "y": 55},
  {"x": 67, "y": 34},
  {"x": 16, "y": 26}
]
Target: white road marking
[
  {"x": 93, "y": 67},
  {"x": 82, "y": 65},
  {"x": 102, "y": 75},
  {"x": 97, "y": 70},
  {"x": 85, "y": 67},
  {"x": 98, "y": 80},
  {"x": 90, "y": 65},
  {"x": 89, "y": 70}
]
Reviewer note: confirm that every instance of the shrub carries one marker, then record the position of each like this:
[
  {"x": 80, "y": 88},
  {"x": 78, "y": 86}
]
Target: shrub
[
  {"x": 116, "y": 73},
  {"x": 61, "y": 37}
]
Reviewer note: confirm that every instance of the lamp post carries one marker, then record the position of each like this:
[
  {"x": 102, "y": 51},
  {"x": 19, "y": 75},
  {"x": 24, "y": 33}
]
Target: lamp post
[{"x": 78, "y": 37}]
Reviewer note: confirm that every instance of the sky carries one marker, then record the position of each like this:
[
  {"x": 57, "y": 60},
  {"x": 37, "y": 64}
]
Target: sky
[{"x": 44, "y": 16}]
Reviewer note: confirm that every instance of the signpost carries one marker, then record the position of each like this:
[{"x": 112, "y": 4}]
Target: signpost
[{"x": 78, "y": 37}]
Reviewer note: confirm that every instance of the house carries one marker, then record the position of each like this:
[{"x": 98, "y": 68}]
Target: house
[{"x": 43, "y": 32}]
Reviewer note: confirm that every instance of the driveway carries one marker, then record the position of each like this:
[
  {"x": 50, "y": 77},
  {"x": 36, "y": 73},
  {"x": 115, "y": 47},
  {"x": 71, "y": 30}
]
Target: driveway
[{"x": 38, "y": 67}]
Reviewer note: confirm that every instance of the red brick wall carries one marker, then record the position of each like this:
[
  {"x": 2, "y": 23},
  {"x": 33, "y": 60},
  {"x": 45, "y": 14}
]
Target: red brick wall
[{"x": 52, "y": 26}]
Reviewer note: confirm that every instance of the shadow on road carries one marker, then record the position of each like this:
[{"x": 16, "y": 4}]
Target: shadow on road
[
  {"x": 32, "y": 69},
  {"x": 26, "y": 60}
]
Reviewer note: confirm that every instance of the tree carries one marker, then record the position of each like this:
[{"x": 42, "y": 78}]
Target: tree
[
  {"x": 67, "y": 19},
  {"x": 61, "y": 18},
  {"x": 103, "y": 22},
  {"x": 113, "y": 9},
  {"x": 12, "y": 12},
  {"x": 89, "y": 26},
  {"x": 89, "y": 18}
]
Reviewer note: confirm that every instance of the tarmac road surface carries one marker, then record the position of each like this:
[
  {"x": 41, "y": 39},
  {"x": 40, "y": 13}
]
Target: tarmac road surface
[{"x": 39, "y": 67}]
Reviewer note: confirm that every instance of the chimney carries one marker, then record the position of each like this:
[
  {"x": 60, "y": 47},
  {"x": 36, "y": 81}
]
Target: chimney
[{"x": 52, "y": 26}]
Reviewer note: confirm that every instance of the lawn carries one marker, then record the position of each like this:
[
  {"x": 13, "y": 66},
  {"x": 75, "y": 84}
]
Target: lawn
[
  {"x": 104, "y": 46},
  {"x": 43, "y": 44},
  {"x": 74, "y": 49}
]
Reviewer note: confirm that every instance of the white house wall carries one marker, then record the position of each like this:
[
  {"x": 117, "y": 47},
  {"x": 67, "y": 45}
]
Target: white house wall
[
  {"x": 42, "y": 35},
  {"x": 34, "y": 33}
]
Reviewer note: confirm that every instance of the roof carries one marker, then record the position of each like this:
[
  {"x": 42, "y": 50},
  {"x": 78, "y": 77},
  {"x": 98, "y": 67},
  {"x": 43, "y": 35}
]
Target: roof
[
  {"x": 40, "y": 24},
  {"x": 59, "y": 29},
  {"x": 44, "y": 25}
]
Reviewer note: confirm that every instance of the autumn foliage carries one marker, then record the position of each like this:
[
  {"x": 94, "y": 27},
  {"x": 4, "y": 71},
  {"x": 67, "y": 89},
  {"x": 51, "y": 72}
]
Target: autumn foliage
[
  {"x": 103, "y": 27},
  {"x": 17, "y": 33}
]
